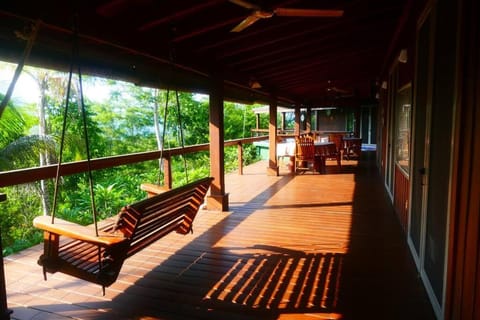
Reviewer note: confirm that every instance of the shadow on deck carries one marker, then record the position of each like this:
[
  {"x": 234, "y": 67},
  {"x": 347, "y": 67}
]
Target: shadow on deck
[{"x": 292, "y": 247}]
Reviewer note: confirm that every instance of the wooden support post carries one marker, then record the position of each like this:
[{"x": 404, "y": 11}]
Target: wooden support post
[
  {"x": 308, "y": 120},
  {"x": 297, "y": 120},
  {"x": 240, "y": 158},
  {"x": 317, "y": 118},
  {"x": 272, "y": 169},
  {"x": 257, "y": 123},
  {"x": 4, "y": 311},
  {"x": 357, "y": 119},
  {"x": 284, "y": 123},
  {"x": 218, "y": 199},
  {"x": 167, "y": 172}
]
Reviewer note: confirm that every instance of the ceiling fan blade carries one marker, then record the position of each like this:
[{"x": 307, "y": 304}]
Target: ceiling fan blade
[
  {"x": 245, "y": 4},
  {"x": 248, "y": 21},
  {"x": 290, "y": 12}
]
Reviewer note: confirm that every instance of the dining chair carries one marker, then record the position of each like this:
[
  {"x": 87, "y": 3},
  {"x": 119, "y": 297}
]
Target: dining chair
[
  {"x": 353, "y": 148},
  {"x": 336, "y": 152},
  {"x": 305, "y": 159}
]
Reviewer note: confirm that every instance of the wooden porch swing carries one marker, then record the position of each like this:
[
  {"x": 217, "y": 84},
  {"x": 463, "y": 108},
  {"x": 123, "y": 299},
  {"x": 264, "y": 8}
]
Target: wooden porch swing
[
  {"x": 96, "y": 253},
  {"x": 98, "y": 257}
]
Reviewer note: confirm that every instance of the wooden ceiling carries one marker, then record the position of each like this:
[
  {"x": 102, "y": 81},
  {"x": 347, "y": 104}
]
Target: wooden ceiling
[{"x": 300, "y": 59}]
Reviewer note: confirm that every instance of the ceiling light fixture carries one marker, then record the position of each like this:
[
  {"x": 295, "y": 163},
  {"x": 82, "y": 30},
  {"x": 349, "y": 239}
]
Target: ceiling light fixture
[{"x": 254, "y": 84}]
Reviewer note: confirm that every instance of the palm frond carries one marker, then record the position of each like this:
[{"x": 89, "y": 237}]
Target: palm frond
[
  {"x": 27, "y": 150},
  {"x": 11, "y": 125}
]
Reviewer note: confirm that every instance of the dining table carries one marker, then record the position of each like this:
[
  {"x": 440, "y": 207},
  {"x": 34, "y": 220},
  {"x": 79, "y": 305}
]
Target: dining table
[{"x": 324, "y": 150}]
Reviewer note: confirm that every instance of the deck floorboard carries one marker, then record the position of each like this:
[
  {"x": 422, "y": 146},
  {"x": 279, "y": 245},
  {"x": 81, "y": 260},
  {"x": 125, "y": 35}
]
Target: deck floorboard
[{"x": 311, "y": 246}]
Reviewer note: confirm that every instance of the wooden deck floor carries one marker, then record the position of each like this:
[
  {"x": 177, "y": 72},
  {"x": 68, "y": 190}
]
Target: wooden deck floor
[{"x": 305, "y": 247}]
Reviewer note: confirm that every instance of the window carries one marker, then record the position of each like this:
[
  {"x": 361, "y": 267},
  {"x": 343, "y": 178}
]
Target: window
[{"x": 403, "y": 127}]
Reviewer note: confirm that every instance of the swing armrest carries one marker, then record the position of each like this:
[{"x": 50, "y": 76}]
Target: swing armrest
[
  {"x": 75, "y": 231},
  {"x": 153, "y": 189}
]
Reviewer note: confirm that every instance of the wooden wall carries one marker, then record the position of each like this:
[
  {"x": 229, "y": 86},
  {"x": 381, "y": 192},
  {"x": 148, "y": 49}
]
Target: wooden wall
[
  {"x": 463, "y": 280},
  {"x": 401, "y": 197}
]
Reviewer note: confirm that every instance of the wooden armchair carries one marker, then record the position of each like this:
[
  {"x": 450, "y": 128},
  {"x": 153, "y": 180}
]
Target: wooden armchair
[{"x": 305, "y": 158}]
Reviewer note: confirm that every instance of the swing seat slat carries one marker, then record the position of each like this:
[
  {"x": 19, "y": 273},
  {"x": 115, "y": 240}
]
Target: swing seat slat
[
  {"x": 76, "y": 250},
  {"x": 76, "y": 231}
]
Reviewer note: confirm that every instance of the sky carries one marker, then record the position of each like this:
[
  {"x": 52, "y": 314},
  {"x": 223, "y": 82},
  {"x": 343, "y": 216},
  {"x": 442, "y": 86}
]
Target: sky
[{"x": 26, "y": 90}]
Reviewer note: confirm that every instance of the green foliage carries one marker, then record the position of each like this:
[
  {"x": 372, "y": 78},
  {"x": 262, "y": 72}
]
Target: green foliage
[
  {"x": 197, "y": 166},
  {"x": 122, "y": 124},
  {"x": 75, "y": 142},
  {"x": 11, "y": 124},
  {"x": 238, "y": 120},
  {"x": 231, "y": 157},
  {"x": 24, "y": 152},
  {"x": 16, "y": 217},
  {"x": 195, "y": 120},
  {"x": 17, "y": 149},
  {"x": 113, "y": 188}
]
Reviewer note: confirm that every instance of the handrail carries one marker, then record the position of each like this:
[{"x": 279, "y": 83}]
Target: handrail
[{"x": 20, "y": 176}]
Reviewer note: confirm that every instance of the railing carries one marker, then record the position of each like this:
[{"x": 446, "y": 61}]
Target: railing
[
  {"x": 4, "y": 311},
  {"x": 15, "y": 177},
  {"x": 286, "y": 132}
]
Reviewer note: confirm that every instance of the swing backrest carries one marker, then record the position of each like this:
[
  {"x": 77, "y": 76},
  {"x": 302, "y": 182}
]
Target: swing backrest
[{"x": 150, "y": 219}]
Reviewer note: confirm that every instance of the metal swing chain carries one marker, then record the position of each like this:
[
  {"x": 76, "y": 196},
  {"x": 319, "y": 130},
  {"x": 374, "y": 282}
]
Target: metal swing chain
[
  {"x": 87, "y": 147},
  {"x": 59, "y": 164},
  {"x": 62, "y": 139},
  {"x": 163, "y": 136},
  {"x": 182, "y": 140},
  {"x": 60, "y": 157},
  {"x": 75, "y": 56},
  {"x": 181, "y": 136}
]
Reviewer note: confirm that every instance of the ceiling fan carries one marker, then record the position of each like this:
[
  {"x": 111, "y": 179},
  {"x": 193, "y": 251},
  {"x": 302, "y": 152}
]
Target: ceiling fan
[{"x": 259, "y": 13}]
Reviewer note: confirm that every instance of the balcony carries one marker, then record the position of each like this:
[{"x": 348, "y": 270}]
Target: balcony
[{"x": 291, "y": 247}]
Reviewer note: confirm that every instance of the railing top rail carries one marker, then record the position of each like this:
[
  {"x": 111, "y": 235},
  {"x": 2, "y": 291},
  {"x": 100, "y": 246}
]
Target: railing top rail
[{"x": 20, "y": 176}]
